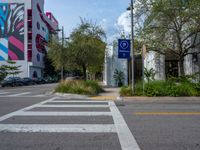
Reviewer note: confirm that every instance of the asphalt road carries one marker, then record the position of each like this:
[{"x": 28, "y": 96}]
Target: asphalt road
[
  {"x": 164, "y": 125},
  {"x": 33, "y": 119}
]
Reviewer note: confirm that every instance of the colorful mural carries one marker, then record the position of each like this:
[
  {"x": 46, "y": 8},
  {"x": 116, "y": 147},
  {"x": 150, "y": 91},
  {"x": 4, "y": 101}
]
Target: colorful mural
[{"x": 11, "y": 31}]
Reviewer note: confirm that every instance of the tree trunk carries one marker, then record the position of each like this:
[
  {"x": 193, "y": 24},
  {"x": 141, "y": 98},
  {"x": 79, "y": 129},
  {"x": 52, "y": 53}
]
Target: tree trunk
[
  {"x": 181, "y": 71},
  {"x": 84, "y": 72}
]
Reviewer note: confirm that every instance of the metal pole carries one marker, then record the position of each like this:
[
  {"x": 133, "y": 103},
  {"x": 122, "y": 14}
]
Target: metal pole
[
  {"x": 62, "y": 68},
  {"x": 132, "y": 47}
]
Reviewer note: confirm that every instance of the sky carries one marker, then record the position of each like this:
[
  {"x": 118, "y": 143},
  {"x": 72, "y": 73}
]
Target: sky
[{"x": 110, "y": 14}]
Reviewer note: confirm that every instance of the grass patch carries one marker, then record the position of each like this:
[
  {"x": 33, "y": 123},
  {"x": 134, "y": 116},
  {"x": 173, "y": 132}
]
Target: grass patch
[{"x": 79, "y": 87}]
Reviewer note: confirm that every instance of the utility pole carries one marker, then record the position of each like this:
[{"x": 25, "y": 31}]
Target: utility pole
[
  {"x": 62, "y": 67},
  {"x": 132, "y": 47}
]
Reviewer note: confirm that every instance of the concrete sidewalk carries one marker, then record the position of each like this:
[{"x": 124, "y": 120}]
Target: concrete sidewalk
[{"x": 111, "y": 93}]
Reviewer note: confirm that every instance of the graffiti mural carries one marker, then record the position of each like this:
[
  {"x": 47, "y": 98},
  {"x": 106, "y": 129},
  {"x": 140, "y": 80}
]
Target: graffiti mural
[{"x": 11, "y": 31}]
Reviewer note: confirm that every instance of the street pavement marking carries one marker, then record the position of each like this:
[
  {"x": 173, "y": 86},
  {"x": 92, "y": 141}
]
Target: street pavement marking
[
  {"x": 74, "y": 106},
  {"x": 4, "y": 93},
  {"x": 120, "y": 127},
  {"x": 19, "y": 94},
  {"x": 40, "y": 113},
  {"x": 67, "y": 101},
  {"x": 166, "y": 113},
  {"x": 23, "y": 109},
  {"x": 80, "y": 128},
  {"x": 126, "y": 138}
]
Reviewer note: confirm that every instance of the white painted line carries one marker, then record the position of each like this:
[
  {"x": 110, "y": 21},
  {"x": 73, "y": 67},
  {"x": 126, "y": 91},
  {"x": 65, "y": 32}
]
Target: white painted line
[
  {"x": 73, "y": 106},
  {"x": 22, "y": 110},
  {"x": 126, "y": 138},
  {"x": 4, "y": 93},
  {"x": 67, "y": 101},
  {"x": 77, "y": 128},
  {"x": 39, "y": 95},
  {"x": 19, "y": 94},
  {"x": 40, "y": 113}
]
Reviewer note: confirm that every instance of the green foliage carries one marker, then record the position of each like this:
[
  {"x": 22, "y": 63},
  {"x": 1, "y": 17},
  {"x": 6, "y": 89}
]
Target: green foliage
[
  {"x": 125, "y": 91},
  {"x": 3, "y": 72},
  {"x": 164, "y": 88},
  {"x": 79, "y": 87},
  {"x": 149, "y": 74},
  {"x": 139, "y": 88},
  {"x": 86, "y": 47},
  {"x": 119, "y": 77},
  {"x": 9, "y": 69},
  {"x": 168, "y": 25},
  {"x": 58, "y": 54},
  {"x": 12, "y": 69},
  {"x": 156, "y": 88}
]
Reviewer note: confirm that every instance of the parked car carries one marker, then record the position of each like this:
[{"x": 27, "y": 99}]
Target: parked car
[
  {"x": 12, "y": 81},
  {"x": 28, "y": 81},
  {"x": 41, "y": 80}
]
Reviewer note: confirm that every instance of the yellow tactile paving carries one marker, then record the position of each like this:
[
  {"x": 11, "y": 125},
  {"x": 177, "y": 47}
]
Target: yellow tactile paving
[{"x": 104, "y": 98}]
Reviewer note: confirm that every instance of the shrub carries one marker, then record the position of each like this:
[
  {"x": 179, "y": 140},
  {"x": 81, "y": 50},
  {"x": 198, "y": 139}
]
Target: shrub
[
  {"x": 79, "y": 87},
  {"x": 187, "y": 89},
  {"x": 156, "y": 88},
  {"x": 125, "y": 91},
  {"x": 139, "y": 88},
  {"x": 162, "y": 88}
]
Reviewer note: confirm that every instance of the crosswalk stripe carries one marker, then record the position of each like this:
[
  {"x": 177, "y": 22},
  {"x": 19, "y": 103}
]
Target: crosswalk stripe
[
  {"x": 19, "y": 94},
  {"x": 49, "y": 128},
  {"x": 24, "y": 109},
  {"x": 73, "y": 106},
  {"x": 40, "y": 113},
  {"x": 4, "y": 93},
  {"x": 126, "y": 138},
  {"x": 69, "y": 101}
]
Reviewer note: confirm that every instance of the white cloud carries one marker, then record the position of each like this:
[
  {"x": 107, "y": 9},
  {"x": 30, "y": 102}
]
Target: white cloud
[
  {"x": 124, "y": 22},
  {"x": 104, "y": 24}
]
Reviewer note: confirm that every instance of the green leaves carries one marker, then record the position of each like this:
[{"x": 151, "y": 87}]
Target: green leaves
[
  {"x": 172, "y": 27},
  {"x": 119, "y": 77},
  {"x": 86, "y": 48},
  {"x": 9, "y": 69}
]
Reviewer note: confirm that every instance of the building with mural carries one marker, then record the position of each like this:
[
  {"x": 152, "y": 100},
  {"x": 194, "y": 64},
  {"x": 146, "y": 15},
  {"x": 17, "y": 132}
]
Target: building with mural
[{"x": 24, "y": 32}]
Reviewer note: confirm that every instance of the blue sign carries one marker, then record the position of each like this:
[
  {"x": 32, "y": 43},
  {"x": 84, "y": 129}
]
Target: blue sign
[{"x": 124, "y": 48}]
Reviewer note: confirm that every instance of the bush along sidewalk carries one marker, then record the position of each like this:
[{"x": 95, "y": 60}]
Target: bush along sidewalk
[
  {"x": 163, "y": 88},
  {"x": 79, "y": 87}
]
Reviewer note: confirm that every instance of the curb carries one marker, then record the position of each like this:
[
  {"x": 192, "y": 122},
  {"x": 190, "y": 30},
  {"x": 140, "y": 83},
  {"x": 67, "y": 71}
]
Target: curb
[
  {"x": 71, "y": 95},
  {"x": 138, "y": 98}
]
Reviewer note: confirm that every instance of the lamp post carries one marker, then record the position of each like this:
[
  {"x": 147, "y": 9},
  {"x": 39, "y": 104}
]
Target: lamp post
[{"x": 132, "y": 46}]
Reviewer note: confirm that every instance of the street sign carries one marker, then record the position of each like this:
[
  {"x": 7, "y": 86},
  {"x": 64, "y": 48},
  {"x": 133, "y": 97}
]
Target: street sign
[{"x": 124, "y": 48}]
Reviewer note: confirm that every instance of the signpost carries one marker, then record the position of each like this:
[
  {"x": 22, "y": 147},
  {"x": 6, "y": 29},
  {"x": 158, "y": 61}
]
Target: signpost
[{"x": 124, "y": 48}]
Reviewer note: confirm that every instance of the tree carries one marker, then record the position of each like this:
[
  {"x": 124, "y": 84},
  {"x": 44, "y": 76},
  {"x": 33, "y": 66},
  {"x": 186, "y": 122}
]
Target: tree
[
  {"x": 58, "y": 54},
  {"x": 49, "y": 69},
  {"x": 3, "y": 72},
  {"x": 86, "y": 47},
  {"x": 172, "y": 27},
  {"x": 12, "y": 69}
]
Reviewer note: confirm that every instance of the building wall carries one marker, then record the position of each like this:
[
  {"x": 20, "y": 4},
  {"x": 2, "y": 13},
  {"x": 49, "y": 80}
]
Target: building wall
[
  {"x": 15, "y": 34},
  {"x": 157, "y": 62},
  {"x": 38, "y": 30},
  {"x": 111, "y": 63},
  {"x": 16, "y": 42}
]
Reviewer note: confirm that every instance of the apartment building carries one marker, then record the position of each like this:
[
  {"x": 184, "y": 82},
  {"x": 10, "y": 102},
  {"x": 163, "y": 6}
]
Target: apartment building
[{"x": 24, "y": 33}]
